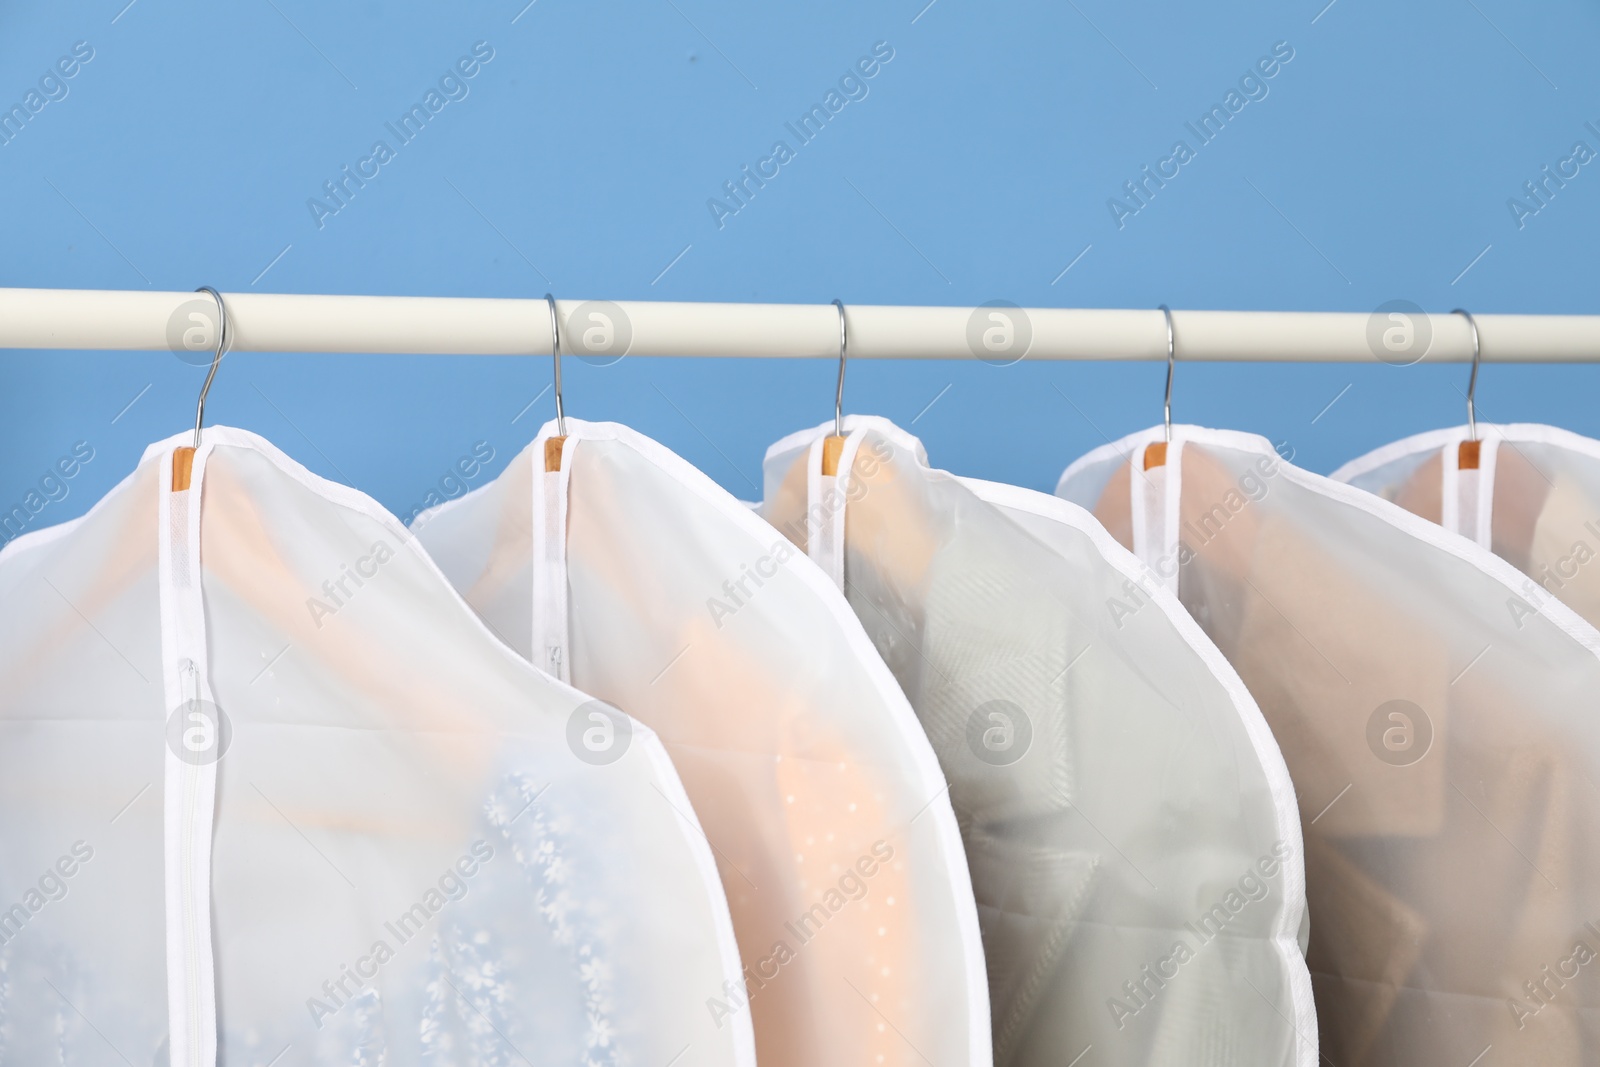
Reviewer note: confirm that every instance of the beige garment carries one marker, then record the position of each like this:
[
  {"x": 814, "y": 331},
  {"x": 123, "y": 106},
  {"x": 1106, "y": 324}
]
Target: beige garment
[
  {"x": 1533, "y": 499},
  {"x": 1442, "y": 747}
]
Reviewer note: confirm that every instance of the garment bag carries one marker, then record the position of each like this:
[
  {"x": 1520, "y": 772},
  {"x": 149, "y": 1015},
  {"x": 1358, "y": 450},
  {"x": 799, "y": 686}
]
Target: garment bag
[
  {"x": 1443, "y": 743},
  {"x": 1128, "y": 819},
  {"x": 608, "y": 559},
  {"x": 1529, "y": 493},
  {"x": 270, "y": 793}
]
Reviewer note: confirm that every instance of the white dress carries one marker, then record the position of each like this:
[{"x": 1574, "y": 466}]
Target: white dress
[{"x": 269, "y": 792}]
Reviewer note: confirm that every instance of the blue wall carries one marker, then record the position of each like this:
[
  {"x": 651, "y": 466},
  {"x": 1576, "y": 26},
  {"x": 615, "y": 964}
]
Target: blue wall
[{"x": 978, "y": 165}]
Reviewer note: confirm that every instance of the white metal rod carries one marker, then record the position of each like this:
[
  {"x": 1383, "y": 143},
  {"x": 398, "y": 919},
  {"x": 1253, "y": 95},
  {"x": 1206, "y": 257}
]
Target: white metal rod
[{"x": 270, "y": 322}]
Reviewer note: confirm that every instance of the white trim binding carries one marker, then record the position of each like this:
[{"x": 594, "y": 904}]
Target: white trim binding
[
  {"x": 1563, "y": 617},
  {"x": 189, "y": 784}
]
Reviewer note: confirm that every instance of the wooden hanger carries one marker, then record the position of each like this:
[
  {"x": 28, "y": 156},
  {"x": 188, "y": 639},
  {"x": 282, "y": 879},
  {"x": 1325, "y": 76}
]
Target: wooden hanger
[
  {"x": 1155, "y": 455},
  {"x": 1467, "y": 456},
  {"x": 183, "y": 457},
  {"x": 553, "y": 445},
  {"x": 833, "y": 446}
]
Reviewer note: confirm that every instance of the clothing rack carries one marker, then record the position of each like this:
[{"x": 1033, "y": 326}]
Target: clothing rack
[{"x": 281, "y": 322}]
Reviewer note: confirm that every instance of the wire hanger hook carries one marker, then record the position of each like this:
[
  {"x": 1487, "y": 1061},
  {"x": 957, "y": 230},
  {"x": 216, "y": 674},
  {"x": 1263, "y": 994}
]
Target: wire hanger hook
[
  {"x": 1472, "y": 382},
  {"x": 1172, "y": 355},
  {"x": 216, "y": 359},
  {"x": 555, "y": 352},
  {"x": 838, "y": 394}
]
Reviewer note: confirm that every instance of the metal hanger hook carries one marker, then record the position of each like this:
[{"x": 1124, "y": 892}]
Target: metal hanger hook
[
  {"x": 1472, "y": 382},
  {"x": 838, "y": 394},
  {"x": 555, "y": 352},
  {"x": 216, "y": 359},
  {"x": 1172, "y": 358}
]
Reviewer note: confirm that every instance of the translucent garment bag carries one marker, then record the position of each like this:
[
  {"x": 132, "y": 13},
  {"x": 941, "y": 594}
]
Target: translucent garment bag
[
  {"x": 1128, "y": 819},
  {"x": 270, "y": 793},
  {"x": 1440, "y": 730},
  {"x": 1529, "y": 493},
  {"x": 608, "y": 559}
]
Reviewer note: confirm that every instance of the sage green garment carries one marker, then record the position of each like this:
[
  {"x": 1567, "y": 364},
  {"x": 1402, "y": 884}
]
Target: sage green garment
[{"x": 1132, "y": 834}]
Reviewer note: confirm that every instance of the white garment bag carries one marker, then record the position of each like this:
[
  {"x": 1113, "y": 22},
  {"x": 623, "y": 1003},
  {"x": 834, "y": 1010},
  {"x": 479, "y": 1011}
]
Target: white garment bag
[
  {"x": 611, "y": 561},
  {"x": 1528, "y": 493},
  {"x": 1128, "y": 819},
  {"x": 253, "y": 742},
  {"x": 1443, "y": 741}
]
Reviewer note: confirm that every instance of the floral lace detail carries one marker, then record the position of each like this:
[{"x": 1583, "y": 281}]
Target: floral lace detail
[
  {"x": 371, "y": 1048},
  {"x": 535, "y": 837},
  {"x": 460, "y": 970},
  {"x": 354, "y": 1036},
  {"x": 5, "y": 1002},
  {"x": 48, "y": 980},
  {"x": 64, "y": 1024}
]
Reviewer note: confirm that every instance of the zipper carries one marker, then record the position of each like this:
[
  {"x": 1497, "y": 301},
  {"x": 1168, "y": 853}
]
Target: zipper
[
  {"x": 551, "y": 625},
  {"x": 189, "y": 787}
]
